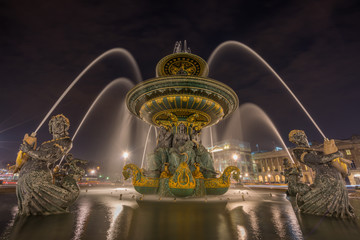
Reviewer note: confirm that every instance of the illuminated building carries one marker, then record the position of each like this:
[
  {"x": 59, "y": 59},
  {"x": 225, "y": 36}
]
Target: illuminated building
[
  {"x": 234, "y": 153},
  {"x": 270, "y": 165}
]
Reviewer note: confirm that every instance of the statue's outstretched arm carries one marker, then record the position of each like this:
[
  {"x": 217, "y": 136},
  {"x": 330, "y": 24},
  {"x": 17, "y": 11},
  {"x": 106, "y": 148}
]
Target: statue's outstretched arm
[
  {"x": 330, "y": 157},
  {"x": 311, "y": 157}
]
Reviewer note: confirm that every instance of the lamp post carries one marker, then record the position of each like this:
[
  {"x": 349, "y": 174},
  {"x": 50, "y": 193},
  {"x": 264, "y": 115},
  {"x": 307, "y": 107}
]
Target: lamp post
[
  {"x": 125, "y": 155},
  {"x": 236, "y": 157}
]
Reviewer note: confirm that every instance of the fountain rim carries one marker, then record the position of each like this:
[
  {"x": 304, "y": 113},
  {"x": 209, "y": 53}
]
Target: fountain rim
[{"x": 183, "y": 78}]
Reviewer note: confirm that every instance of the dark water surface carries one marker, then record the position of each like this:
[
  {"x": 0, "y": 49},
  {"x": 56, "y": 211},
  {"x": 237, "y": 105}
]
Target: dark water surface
[{"x": 100, "y": 214}]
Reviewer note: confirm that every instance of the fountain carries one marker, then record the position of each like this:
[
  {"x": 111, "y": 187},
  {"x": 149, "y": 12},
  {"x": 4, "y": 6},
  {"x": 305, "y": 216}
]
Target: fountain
[
  {"x": 179, "y": 193},
  {"x": 181, "y": 101}
]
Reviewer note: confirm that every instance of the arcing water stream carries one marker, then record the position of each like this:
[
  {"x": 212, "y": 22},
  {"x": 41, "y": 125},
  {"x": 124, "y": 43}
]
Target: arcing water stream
[
  {"x": 248, "y": 49},
  {"x": 120, "y": 51}
]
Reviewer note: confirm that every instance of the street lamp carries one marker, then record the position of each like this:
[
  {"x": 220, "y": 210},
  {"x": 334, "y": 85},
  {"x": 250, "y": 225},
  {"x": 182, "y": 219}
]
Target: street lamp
[
  {"x": 235, "y": 156},
  {"x": 125, "y": 155}
]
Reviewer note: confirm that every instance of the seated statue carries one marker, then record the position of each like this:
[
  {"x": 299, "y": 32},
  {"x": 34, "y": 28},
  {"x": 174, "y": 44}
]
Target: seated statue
[
  {"x": 43, "y": 191},
  {"x": 164, "y": 138},
  {"x": 204, "y": 158},
  {"x": 195, "y": 137},
  {"x": 184, "y": 153},
  {"x": 328, "y": 195},
  {"x": 180, "y": 147},
  {"x": 157, "y": 159},
  {"x": 181, "y": 137}
]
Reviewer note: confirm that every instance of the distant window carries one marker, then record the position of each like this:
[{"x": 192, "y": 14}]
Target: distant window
[{"x": 348, "y": 152}]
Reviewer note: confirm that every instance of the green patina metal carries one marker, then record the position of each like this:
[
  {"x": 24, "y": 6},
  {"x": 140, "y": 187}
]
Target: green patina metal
[
  {"x": 197, "y": 90},
  {"x": 181, "y": 100},
  {"x": 146, "y": 190},
  {"x": 216, "y": 191}
]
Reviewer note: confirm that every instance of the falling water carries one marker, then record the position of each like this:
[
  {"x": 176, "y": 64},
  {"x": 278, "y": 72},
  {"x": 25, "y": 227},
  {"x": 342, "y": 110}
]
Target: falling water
[
  {"x": 105, "y": 54},
  {"x": 119, "y": 81},
  {"x": 243, "y": 46},
  {"x": 156, "y": 133},
  {"x": 228, "y": 128},
  {"x": 252, "y": 110},
  {"x": 147, "y": 138},
  {"x": 212, "y": 142}
]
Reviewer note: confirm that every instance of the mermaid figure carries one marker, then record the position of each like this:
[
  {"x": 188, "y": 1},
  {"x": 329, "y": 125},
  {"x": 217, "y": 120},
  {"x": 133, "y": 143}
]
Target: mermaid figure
[
  {"x": 328, "y": 195},
  {"x": 43, "y": 188}
]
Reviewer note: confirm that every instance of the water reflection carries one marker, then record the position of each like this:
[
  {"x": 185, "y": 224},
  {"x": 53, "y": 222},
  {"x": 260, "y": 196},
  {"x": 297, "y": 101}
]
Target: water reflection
[
  {"x": 7, "y": 231},
  {"x": 264, "y": 217},
  {"x": 254, "y": 221},
  {"x": 82, "y": 217},
  {"x": 293, "y": 224},
  {"x": 102, "y": 215},
  {"x": 181, "y": 220},
  {"x": 115, "y": 211},
  {"x": 285, "y": 221},
  {"x": 241, "y": 232},
  {"x": 317, "y": 227},
  {"x": 42, "y": 227}
]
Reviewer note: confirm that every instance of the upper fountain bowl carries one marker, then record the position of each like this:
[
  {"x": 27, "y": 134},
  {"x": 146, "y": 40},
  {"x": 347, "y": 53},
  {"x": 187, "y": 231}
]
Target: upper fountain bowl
[
  {"x": 182, "y": 63},
  {"x": 182, "y": 93}
]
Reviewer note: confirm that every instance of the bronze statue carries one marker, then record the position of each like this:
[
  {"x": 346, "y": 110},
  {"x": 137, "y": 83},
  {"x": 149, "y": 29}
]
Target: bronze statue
[
  {"x": 181, "y": 137},
  {"x": 328, "y": 195},
  {"x": 43, "y": 188},
  {"x": 164, "y": 138}
]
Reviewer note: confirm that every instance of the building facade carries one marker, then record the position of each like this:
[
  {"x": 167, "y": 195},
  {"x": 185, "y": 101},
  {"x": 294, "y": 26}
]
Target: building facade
[
  {"x": 234, "y": 153},
  {"x": 270, "y": 167},
  {"x": 270, "y": 164}
]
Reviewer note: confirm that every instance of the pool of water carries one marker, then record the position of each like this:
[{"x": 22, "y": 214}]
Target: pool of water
[{"x": 124, "y": 214}]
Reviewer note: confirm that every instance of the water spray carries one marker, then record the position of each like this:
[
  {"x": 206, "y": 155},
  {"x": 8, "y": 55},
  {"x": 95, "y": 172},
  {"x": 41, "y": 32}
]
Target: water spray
[
  {"x": 105, "y": 54},
  {"x": 239, "y": 44}
]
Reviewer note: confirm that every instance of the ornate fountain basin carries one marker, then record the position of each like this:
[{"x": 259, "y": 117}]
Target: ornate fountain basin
[
  {"x": 182, "y": 100},
  {"x": 199, "y": 101}
]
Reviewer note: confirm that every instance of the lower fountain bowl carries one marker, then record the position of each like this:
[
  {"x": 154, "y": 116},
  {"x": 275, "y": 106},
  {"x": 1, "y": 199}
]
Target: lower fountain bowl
[
  {"x": 146, "y": 190},
  {"x": 182, "y": 192}
]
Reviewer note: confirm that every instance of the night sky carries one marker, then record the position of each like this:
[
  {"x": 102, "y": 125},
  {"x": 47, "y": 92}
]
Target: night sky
[{"x": 313, "y": 45}]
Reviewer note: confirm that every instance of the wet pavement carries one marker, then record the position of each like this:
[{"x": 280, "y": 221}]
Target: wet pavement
[{"x": 124, "y": 214}]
